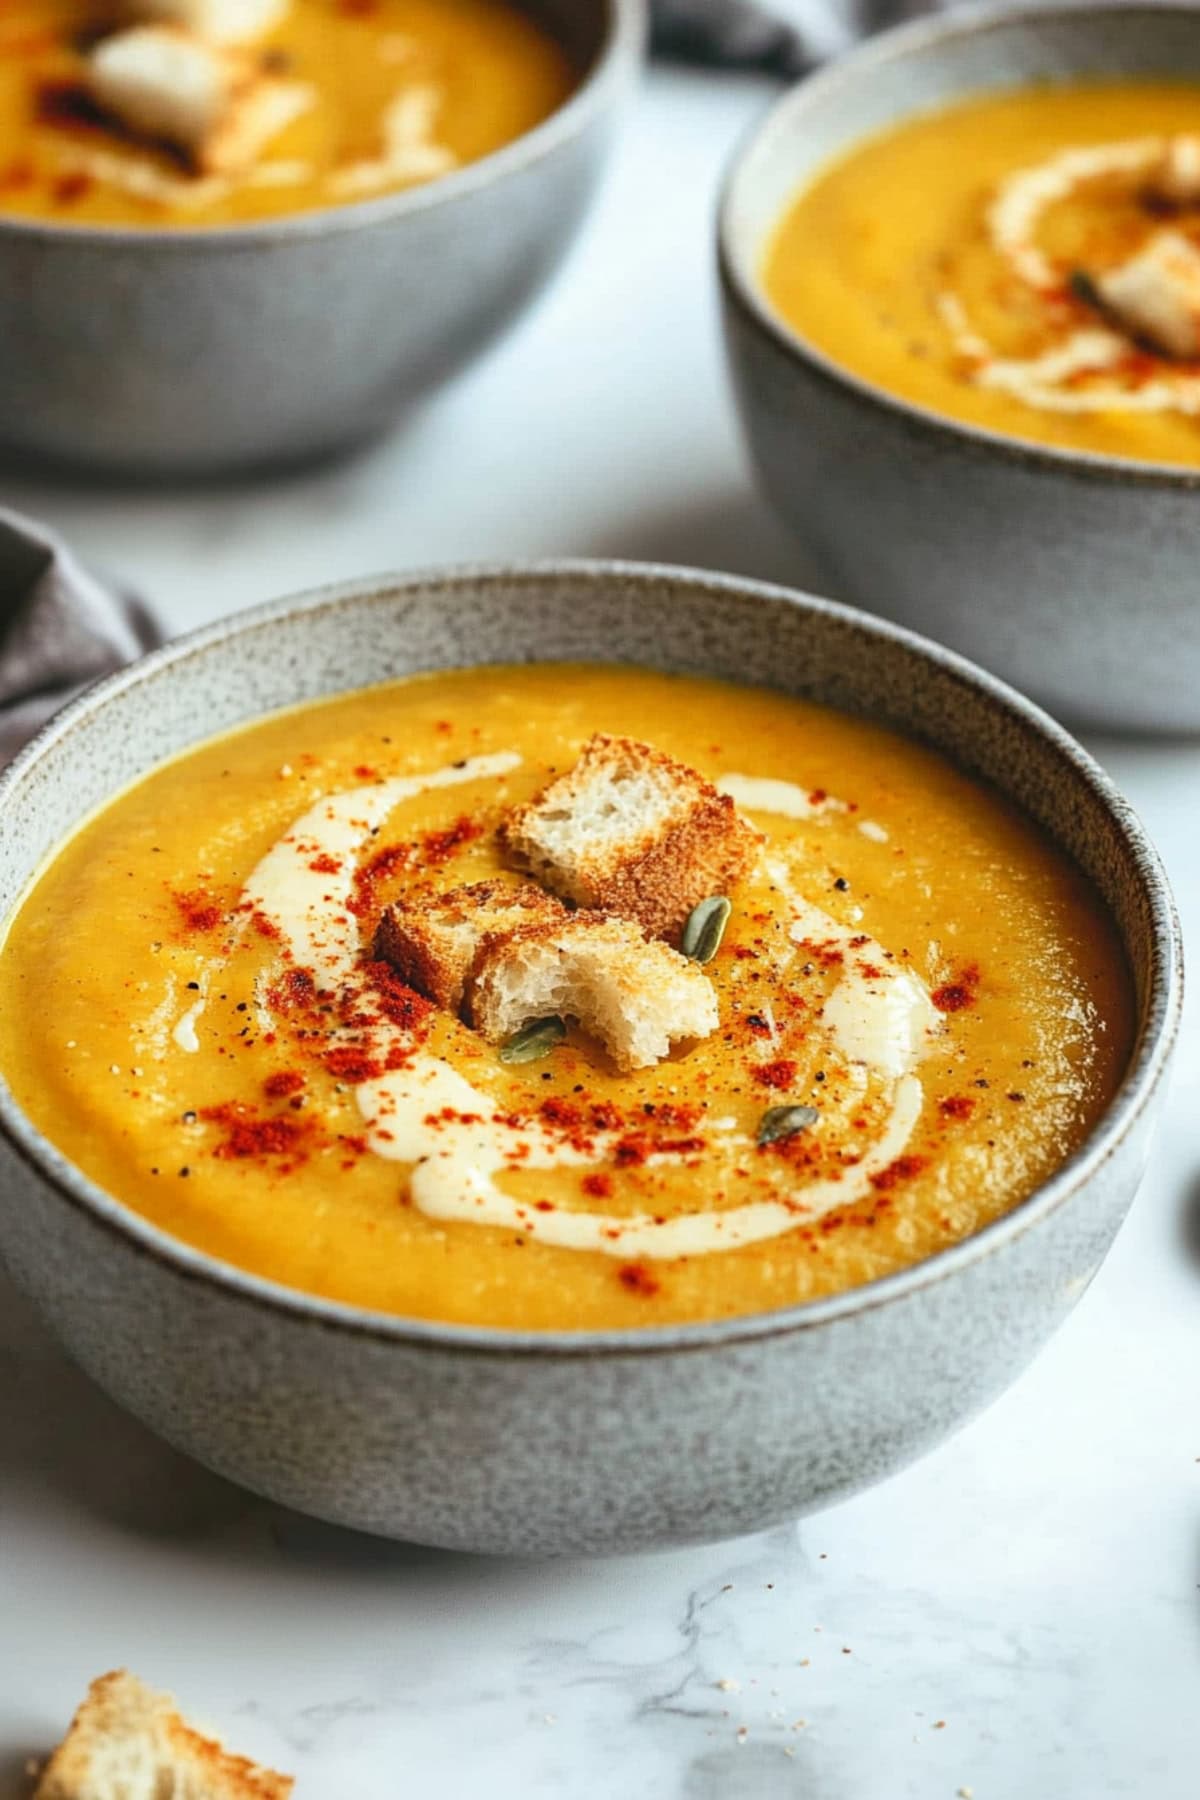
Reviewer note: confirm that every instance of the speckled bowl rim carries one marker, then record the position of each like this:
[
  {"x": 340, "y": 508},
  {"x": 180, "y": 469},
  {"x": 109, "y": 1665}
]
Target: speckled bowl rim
[
  {"x": 620, "y": 49},
  {"x": 1156, "y": 1039},
  {"x": 925, "y": 37}
]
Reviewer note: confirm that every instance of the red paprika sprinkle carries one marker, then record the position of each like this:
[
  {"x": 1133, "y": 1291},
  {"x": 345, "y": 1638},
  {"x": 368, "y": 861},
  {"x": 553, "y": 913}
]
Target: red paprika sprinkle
[
  {"x": 560, "y": 1112},
  {"x": 326, "y": 864},
  {"x": 956, "y": 1106},
  {"x": 353, "y": 1065},
  {"x": 247, "y": 1136},
  {"x": 598, "y": 1186},
  {"x": 396, "y": 1001},
  {"x": 199, "y": 911},
  {"x": 296, "y": 988},
  {"x": 437, "y": 846},
  {"x": 71, "y": 187},
  {"x": 371, "y": 875},
  {"x": 954, "y": 995},
  {"x": 778, "y": 1074},
  {"x": 638, "y": 1279},
  {"x": 903, "y": 1169},
  {"x": 279, "y": 1086}
]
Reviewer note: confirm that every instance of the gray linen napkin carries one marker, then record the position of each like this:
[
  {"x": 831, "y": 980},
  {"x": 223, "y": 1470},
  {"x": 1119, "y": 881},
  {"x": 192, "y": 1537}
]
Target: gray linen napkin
[
  {"x": 61, "y": 628},
  {"x": 777, "y": 37}
]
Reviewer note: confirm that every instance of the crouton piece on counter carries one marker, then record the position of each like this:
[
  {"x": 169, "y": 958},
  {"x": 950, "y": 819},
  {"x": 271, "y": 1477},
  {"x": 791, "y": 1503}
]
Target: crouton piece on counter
[
  {"x": 128, "y": 1743},
  {"x": 220, "y": 21},
  {"x": 631, "y": 831},
  {"x": 432, "y": 943},
  {"x": 632, "y": 993},
  {"x": 215, "y": 105},
  {"x": 1156, "y": 294}
]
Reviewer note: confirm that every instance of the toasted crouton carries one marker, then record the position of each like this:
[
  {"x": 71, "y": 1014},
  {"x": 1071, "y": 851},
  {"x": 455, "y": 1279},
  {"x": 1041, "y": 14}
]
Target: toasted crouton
[
  {"x": 220, "y": 21},
  {"x": 631, "y": 831},
  {"x": 129, "y": 1743},
  {"x": 214, "y": 104},
  {"x": 1177, "y": 179},
  {"x": 432, "y": 943},
  {"x": 1156, "y": 294},
  {"x": 635, "y": 995}
]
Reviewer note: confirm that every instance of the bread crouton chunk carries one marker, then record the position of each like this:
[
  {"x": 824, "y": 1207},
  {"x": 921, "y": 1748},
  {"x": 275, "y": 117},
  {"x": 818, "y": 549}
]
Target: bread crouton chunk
[
  {"x": 1156, "y": 294},
  {"x": 631, "y": 831},
  {"x": 214, "y": 104},
  {"x": 1177, "y": 179},
  {"x": 128, "y": 1743},
  {"x": 432, "y": 943},
  {"x": 636, "y": 996},
  {"x": 220, "y": 21}
]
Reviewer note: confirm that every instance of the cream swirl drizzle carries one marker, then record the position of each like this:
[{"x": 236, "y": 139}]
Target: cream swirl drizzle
[
  {"x": 427, "y": 1115},
  {"x": 1068, "y": 377}
]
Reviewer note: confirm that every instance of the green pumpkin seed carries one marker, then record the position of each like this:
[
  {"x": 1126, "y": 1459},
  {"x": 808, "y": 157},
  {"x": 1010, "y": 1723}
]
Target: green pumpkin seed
[
  {"x": 705, "y": 928},
  {"x": 1085, "y": 289},
  {"x": 533, "y": 1041},
  {"x": 780, "y": 1122}
]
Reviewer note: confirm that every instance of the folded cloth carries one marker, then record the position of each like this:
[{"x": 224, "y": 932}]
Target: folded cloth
[
  {"x": 778, "y": 37},
  {"x": 61, "y": 628}
]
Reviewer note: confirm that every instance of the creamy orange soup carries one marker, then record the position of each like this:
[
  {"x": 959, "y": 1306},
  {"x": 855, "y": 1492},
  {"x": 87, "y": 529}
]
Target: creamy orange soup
[
  {"x": 1025, "y": 261},
  {"x": 390, "y": 93},
  {"x": 190, "y": 1010}
]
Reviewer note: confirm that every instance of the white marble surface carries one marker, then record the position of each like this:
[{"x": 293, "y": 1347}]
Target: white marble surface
[{"x": 1018, "y": 1616}]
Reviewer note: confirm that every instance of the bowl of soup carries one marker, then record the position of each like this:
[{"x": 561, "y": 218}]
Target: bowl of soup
[
  {"x": 385, "y": 1121},
  {"x": 956, "y": 273},
  {"x": 234, "y": 236}
]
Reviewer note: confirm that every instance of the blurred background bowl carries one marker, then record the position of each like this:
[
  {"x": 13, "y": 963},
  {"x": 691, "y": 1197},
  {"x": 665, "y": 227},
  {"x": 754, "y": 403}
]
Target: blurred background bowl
[
  {"x": 1072, "y": 575},
  {"x": 203, "y": 351}
]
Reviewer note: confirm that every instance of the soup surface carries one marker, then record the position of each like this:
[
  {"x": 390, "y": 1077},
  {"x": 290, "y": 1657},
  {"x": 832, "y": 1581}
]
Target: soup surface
[
  {"x": 190, "y": 1009},
  {"x": 1026, "y": 261},
  {"x": 388, "y": 93}
]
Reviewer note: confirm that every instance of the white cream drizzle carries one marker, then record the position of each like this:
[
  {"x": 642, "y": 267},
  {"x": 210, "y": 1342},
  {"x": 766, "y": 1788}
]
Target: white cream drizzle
[
  {"x": 427, "y": 1115},
  {"x": 409, "y": 151},
  {"x": 144, "y": 179},
  {"x": 150, "y": 1037},
  {"x": 311, "y": 906},
  {"x": 1016, "y": 212},
  {"x": 455, "y": 1168},
  {"x": 761, "y": 793},
  {"x": 884, "y": 1020},
  {"x": 1051, "y": 382},
  {"x": 184, "y": 1033}
]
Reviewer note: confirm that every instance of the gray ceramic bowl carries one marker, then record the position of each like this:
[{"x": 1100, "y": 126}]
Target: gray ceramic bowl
[
  {"x": 204, "y": 351},
  {"x": 1072, "y": 575},
  {"x": 502, "y": 1441}
]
